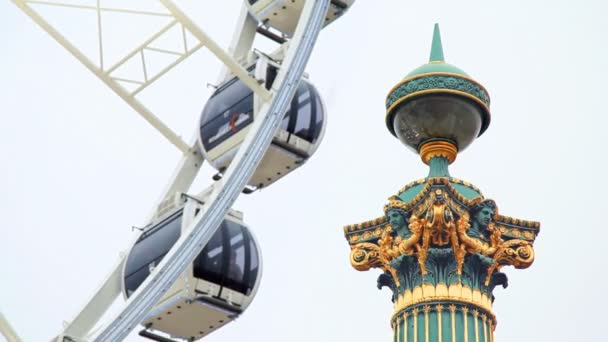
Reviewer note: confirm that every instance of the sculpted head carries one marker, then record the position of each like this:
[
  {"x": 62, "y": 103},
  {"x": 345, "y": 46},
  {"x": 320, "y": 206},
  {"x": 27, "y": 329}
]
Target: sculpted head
[
  {"x": 483, "y": 213},
  {"x": 397, "y": 218}
]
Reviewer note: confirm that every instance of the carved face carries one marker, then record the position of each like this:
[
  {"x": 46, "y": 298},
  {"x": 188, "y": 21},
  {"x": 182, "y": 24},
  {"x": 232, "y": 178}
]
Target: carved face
[
  {"x": 484, "y": 216},
  {"x": 396, "y": 219}
]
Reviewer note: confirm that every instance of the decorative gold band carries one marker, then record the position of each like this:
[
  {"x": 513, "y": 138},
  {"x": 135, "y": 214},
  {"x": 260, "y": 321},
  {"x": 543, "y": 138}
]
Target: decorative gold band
[
  {"x": 439, "y": 148},
  {"x": 429, "y": 293}
]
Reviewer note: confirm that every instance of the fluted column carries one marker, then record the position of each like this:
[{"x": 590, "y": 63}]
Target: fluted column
[{"x": 445, "y": 322}]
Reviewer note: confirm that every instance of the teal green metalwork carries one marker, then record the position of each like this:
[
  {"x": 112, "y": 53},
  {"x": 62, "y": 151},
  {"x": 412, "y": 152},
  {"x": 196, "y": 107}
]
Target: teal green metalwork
[{"x": 438, "y": 82}]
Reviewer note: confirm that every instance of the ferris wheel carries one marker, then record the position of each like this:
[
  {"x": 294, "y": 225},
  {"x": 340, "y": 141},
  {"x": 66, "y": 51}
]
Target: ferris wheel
[{"x": 196, "y": 265}]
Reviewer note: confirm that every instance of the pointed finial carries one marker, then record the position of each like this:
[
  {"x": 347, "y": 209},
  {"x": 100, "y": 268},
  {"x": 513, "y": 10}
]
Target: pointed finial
[{"x": 436, "y": 48}]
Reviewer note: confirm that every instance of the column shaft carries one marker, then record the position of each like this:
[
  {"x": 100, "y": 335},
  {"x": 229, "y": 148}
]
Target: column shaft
[{"x": 443, "y": 322}]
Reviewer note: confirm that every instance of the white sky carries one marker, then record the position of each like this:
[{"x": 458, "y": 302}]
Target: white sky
[{"x": 80, "y": 168}]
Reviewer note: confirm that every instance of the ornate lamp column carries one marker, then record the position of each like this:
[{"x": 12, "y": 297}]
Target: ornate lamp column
[{"x": 440, "y": 243}]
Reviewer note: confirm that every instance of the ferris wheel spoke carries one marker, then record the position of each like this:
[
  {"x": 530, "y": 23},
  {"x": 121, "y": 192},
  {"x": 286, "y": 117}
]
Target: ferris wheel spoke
[
  {"x": 97, "y": 305},
  {"x": 114, "y": 83},
  {"x": 219, "y": 52},
  {"x": 181, "y": 180},
  {"x": 97, "y": 7},
  {"x": 242, "y": 39},
  {"x": 7, "y": 330}
]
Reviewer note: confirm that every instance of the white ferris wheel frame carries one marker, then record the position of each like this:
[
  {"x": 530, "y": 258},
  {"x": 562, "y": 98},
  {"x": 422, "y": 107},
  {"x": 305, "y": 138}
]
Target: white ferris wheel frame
[
  {"x": 7, "y": 330},
  {"x": 224, "y": 192}
]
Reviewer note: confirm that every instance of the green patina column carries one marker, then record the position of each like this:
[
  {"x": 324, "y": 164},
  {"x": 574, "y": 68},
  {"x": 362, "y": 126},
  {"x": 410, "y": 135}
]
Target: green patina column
[{"x": 440, "y": 243}]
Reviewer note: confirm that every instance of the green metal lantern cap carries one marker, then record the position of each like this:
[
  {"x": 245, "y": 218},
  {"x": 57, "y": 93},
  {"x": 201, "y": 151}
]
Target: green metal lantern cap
[
  {"x": 436, "y": 60},
  {"x": 437, "y": 101}
]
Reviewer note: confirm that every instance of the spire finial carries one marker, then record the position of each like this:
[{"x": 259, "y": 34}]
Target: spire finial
[{"x": 436, "y": 48}]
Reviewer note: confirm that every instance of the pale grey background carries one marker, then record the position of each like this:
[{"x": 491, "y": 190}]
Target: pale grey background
[{"x": 79, "y": 168}]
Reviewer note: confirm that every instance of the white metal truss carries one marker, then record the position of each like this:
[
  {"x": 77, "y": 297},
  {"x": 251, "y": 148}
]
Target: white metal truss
[
  {"x": 224, "y": 192},
  {"x": 116, "y": 83},
  {"x": 7, "y": 330}
]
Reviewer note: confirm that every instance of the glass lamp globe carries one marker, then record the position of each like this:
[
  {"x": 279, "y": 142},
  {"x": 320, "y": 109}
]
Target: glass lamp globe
[{"x": 437, "y": 117}]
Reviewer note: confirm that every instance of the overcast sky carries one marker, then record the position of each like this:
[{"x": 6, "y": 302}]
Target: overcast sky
[{"x": 79, "y": 167}]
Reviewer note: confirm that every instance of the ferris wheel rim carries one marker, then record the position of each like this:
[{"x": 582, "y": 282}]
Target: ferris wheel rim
[{"x": 223, "y": 198}]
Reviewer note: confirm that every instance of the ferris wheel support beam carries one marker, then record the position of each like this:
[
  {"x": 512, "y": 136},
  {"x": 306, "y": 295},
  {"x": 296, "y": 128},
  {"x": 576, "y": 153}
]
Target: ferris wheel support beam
[
  {"x": 222, "y": 55},
  {"x": 105, "y": 77},
  {"x": 190, "y": 244},
  {"x": 243, "y": 35},
  {"x": 97, "y": 306},
  {"x": 242, "y": 39},
  {"x": 183, "y": 177},
  {"x": 7, "y": 330}
]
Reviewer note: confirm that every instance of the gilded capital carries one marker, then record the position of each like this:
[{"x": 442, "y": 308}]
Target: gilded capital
[{"x": 441, "y": 240}]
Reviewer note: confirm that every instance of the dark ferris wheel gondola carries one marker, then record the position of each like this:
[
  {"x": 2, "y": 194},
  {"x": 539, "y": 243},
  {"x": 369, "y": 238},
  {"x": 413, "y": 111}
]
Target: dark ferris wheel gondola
[
  {"x": 231, "y": 110},
  {"x": 216, "y": 288}
]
